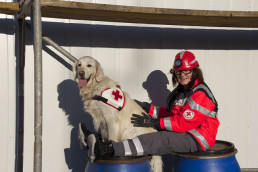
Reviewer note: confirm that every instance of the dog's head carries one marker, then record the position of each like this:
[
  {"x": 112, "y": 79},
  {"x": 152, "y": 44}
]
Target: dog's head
[{"x": 87, "y": 70}]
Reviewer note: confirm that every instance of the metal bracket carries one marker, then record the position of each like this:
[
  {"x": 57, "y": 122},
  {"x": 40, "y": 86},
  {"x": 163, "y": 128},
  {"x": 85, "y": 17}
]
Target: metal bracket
[{"x": 25, "y": 8}]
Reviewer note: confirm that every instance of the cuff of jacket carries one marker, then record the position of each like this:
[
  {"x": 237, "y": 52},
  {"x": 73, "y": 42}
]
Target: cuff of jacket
[
  {"x": 165, "y": 124},
  {"x": 150, "y": 108},
  {"x": 156, "y": 123}
]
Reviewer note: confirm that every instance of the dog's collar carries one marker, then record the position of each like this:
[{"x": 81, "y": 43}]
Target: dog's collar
[{"x": 113, "y": 97}]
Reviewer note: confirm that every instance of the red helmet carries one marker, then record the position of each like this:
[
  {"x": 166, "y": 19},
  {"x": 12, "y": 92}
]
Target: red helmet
[{"x": 185, "y": 60}]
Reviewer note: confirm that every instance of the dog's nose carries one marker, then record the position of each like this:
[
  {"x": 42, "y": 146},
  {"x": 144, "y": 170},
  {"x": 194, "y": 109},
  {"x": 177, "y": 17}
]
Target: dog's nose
[{"x": 82, "y": 73}]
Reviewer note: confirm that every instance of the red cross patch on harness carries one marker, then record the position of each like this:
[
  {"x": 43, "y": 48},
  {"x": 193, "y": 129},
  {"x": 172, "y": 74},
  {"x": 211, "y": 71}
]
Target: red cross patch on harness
[
  {"x": 115, "y": 97},
  {"x": 188, "y": 114}
]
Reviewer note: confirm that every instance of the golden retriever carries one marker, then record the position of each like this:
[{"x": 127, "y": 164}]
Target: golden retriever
[{"x": 113, "y": 124}]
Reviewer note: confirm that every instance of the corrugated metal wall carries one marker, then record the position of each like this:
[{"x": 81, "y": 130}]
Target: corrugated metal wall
[
  {"x": 7, "y": 94},
  {"x": 139, "y": 57}
]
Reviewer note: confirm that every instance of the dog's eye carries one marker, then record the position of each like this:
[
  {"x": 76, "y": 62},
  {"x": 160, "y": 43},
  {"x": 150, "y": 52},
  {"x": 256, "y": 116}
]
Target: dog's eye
[
  {"x": 88, "y": 65},
  {"x": 79, "y": 64}
]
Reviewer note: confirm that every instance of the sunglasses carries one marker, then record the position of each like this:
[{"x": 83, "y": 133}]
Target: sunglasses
[{"x": 179, "y": 72}]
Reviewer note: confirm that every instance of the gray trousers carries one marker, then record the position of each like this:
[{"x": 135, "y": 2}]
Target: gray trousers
[{"x": 159, "y": 143}]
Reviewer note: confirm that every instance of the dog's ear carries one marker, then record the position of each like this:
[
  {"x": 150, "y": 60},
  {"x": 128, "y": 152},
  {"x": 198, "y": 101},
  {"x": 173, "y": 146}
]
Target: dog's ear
[
  {"x": 75, "y": 70},
  {"x": 99, "y": 72}
]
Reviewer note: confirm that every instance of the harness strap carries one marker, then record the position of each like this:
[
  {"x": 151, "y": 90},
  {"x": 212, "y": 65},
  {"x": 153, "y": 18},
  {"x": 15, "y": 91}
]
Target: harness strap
[{"x": 100, "y": 98}]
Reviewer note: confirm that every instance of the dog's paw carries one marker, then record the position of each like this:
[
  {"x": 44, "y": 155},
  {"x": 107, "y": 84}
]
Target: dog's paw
[
  {"x": 91, "y": 141},
  {"x": 82, "y": 137}
]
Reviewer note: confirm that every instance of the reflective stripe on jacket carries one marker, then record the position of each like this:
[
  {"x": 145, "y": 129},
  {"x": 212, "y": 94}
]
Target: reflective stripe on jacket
[{"x": 194, "y": 111}]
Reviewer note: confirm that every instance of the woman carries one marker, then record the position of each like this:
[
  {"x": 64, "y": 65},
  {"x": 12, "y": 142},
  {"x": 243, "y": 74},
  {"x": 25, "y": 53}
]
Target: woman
[{"x": 188, "y": 123}]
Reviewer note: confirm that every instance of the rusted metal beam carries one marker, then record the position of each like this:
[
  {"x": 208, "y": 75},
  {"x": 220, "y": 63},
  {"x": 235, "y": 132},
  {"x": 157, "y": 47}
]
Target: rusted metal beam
[
  {"x": 25, "y": 8},
  {"x": 133, "y": 14},
  {"x": 10, "y": 8}
]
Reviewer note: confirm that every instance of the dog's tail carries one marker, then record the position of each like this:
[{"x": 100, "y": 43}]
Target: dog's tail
[{"x": 156, "y": 164}]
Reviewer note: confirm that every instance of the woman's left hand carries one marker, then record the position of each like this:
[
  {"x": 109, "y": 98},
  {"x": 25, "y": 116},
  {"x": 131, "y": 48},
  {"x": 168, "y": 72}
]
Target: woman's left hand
[{"x": 144, "y": 121}]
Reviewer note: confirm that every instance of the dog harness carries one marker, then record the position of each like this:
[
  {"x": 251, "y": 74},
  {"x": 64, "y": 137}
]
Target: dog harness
[{"x": 113, "y": 97}]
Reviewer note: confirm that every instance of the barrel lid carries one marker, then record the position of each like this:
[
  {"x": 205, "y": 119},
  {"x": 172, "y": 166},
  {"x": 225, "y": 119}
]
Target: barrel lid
[
  {"x": 220, "y": 149},
  {"x": 123, "y": 159}
]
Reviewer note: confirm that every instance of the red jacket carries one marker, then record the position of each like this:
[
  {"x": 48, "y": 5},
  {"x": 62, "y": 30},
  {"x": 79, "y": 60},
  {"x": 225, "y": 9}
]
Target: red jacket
[{"x": 193, "y": 111}]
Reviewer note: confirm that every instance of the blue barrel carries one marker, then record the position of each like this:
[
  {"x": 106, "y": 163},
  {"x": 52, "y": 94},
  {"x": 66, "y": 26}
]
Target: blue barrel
[
  {"x": 122, "y": 164},
  {"x": 220, "y": 158}
]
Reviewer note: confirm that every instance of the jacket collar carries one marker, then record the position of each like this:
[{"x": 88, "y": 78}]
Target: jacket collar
[{"x": 195, "y": 83}]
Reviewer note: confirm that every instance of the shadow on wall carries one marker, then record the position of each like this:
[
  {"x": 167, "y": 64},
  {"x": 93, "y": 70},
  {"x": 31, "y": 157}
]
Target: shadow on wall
[
  {"x": 156, "y": 86},
  {"x": 87, "y": 35},
  {"x": 70, "y": 102}
]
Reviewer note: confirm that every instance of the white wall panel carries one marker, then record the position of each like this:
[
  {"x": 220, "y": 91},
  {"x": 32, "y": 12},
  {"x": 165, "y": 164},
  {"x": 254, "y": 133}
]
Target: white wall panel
[
  {"x": 151, "y": 60},
  {"x": 28, "y": 151},
  {"x": 151, "y": 3},
  {"x": 105, "y": 1},
  {"x": 251, "y": 110},
  {"x": 218, "y": 84},
  {"x": 199, "y": 4},
  {"x": 237, "y": 102},
  {"x": 107, "y": 58},
  {"x": 221, "y": 4},
  {"x": 239, "y": 5},
  {"x": 129, "y": 3},
  {"x": 7, "y": 94},
  {"x": 11, "y": 100},
  {"x": 53, "y": 137},
  {"x": 254, "y": 5},
  {"x": 181, "y": 4},
  {"x": 4, "y": 96},
  {"x": 130, "y": 76}
]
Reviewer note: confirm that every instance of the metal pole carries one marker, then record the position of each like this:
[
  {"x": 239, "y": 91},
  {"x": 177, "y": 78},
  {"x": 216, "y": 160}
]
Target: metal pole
[
  {"x": 37, "y": 29},
  {"x": 58, "y": 48},
  {"x": 20, "y": 97}
]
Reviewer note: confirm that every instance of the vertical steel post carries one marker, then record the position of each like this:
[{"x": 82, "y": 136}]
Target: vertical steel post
[
  {"x": 37, "y": 29},
  {"x": 20, "y": 96}
]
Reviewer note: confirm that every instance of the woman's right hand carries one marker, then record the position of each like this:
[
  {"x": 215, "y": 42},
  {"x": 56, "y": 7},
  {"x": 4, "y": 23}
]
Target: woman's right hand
[{"x": 144, "y": 105}]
